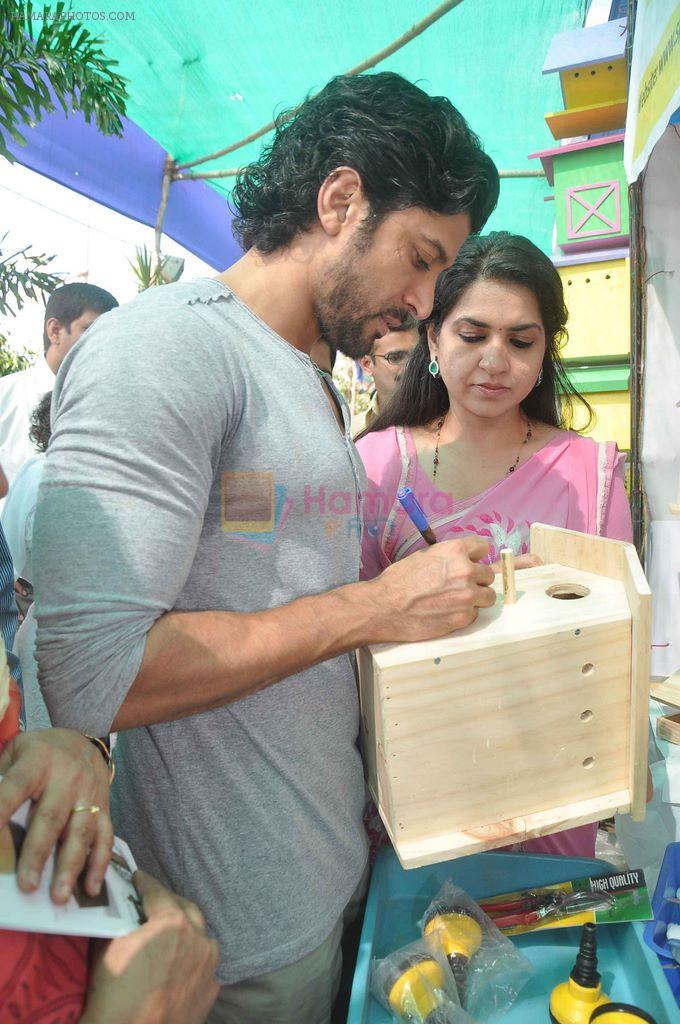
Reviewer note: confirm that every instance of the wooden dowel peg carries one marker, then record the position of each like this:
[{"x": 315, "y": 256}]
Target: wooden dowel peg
[{"x": 508, "y": 569}]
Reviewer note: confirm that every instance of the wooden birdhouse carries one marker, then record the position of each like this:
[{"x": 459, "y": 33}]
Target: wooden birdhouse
[
  {"x": 530, "y": 721},
  {"x": 597, "y": 353},
  {"x": 591, "y": 63},
  {"x": 591, "y": 194},
  {"x": 597, "y": 296}
]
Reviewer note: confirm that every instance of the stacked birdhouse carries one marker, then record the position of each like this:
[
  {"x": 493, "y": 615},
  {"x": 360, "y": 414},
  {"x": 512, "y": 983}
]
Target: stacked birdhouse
[{"x": 591, "y": 217}]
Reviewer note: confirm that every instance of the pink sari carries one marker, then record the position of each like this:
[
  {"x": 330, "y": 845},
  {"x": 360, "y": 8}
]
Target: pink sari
[{"x": 572, "y": 482}]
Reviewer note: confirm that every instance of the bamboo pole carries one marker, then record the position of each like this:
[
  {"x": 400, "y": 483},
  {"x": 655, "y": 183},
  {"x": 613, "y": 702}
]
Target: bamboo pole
[
  {"x": 370, "y": 62},
  {"x": 529, "y": 172}
]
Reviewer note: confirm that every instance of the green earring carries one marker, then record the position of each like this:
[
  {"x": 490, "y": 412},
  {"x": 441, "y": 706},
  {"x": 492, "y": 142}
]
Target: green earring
[{"x": 433, "y": 368}]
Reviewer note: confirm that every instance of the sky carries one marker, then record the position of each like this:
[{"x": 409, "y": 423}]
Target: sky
[{"x": 89, "y": 242}]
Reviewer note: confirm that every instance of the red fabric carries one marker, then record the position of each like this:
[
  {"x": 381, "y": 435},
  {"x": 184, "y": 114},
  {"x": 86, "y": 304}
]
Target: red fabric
[
  {"x": 9, "y": 724},
  {"x": 43, "y": 978}
]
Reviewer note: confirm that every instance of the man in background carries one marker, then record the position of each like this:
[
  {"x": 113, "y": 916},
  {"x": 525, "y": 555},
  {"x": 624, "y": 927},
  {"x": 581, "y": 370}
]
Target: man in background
[
  {"x": 70, "y": 310},
  {"x": 385, "y": 363}
]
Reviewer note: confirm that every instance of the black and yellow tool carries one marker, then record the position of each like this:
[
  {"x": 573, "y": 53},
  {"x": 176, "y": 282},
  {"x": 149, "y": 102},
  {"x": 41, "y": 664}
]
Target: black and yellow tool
[
  {"x": 414, "y": 988},
  {"x": 620, "y": 1013},
  {"x": 574, "y": 1000},
  {"x": 459, "y": 936}
]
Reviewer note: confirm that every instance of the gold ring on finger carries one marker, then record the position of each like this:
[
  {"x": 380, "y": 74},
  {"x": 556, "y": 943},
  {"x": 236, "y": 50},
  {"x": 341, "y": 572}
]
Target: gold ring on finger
[{"x": 89, "y": 808}]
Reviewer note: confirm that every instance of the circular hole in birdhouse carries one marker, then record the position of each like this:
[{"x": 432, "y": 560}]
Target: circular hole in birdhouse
[
  {"x": 568, "y": 282},
  {"x": 567, "y": 592},
  {"x": 588, "y": 762},
  {"x": 593, "y": 72},
  {"x": 577, "y": 632},
  {"x": 577, "y": 74},
  {"x": 609, "y": 67},
  {"x": 607, "y": 277},
  {"x": 587, "y": 280},
  {"x": 586, "y": 716},
  {"x": 588, "y": 668},
  {"x": 437, "y": 661}
]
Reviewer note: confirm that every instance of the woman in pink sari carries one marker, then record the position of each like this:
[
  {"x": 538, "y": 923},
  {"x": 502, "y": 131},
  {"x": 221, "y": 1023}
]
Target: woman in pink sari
[{"x": 480, "y": 433}]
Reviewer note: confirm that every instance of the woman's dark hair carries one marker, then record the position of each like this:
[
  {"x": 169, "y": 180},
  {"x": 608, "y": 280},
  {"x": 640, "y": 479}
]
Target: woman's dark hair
[
  {"x": 421, "y": 398},
  {"x": 41, "y": 428},
  {"x": 410, "y": 149}
]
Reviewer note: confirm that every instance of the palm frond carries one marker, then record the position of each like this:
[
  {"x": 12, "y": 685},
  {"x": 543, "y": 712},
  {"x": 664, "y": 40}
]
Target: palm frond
[{"x": 64, "y": 64}]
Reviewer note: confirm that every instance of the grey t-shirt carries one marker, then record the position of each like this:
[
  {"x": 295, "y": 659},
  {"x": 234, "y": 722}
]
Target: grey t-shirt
[{"x": 196, "y": 464}]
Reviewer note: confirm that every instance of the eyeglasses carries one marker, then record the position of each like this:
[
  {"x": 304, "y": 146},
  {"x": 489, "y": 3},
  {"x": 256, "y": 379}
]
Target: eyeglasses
[{"x": 397, "y": 358}]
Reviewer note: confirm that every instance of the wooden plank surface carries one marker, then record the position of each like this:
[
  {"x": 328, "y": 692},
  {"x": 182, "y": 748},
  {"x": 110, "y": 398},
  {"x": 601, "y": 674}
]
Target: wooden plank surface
[
  {"x": 580, "y": 550},
  {"x": 619, "y": 561},
  {"x": 668, "y": 728},
  {"x": 449, "y": 845},
  {"x": 372, "y": 732},
  {"x": 597, "y": 117},
  {"x": 640, "y": 602},
  {"x": 508, "y": 731},
  {"x": 533, "y": 614},
  {"x": 668, "y": 691}
]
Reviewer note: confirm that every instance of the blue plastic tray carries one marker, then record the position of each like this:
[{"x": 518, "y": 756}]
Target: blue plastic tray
[
  {"x": 630, "y": 971},
  {"x": 666, "y": 913}
]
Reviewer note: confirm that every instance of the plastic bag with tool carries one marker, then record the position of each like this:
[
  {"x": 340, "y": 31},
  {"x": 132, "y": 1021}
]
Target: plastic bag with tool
[
  {"x": 417, "y": 987},
  {"x": 489, "y": 971}
]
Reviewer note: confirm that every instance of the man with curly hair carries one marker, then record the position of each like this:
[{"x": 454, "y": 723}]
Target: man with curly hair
[{"x": 200, "y": 515}]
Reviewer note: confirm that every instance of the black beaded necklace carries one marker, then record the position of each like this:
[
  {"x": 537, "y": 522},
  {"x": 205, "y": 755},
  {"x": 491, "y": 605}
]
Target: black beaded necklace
[{"x": 440, "y": 423}]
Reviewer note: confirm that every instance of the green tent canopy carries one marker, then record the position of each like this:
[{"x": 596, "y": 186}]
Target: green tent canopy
[{"x": 203, "y": 76}]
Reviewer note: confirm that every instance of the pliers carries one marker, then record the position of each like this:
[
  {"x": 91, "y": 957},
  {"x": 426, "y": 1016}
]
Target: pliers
[{"x": 536, "y": 904}]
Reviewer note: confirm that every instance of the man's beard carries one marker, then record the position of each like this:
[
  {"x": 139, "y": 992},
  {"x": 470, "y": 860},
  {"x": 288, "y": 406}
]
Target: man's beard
[
  {"x": 339, "y": 314},
  {"x": 340, "y": 308}
]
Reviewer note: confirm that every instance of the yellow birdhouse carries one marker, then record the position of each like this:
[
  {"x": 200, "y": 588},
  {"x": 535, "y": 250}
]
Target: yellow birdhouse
[
  {"x": 591, "y": 64},
  {"x": 597, "y": 296}
]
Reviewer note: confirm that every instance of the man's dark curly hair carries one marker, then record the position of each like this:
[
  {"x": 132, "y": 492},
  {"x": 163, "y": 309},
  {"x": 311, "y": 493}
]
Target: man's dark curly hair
[{"x": 410, "y": 149}]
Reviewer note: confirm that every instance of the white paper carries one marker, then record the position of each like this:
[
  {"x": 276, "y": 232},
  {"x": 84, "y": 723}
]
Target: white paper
[{"x": 115, "y": 912}]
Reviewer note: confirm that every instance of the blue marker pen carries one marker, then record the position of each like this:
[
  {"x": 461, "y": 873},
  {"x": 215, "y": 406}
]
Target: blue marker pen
[{"x": 412, "y": 508}]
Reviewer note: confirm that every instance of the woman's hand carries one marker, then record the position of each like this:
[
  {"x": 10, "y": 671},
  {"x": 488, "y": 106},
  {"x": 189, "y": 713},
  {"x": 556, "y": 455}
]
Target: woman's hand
[
  {"x": 58, "y": 769},
  {"x": 521, "y": 562},
  {"x": 161, "y": 973}
]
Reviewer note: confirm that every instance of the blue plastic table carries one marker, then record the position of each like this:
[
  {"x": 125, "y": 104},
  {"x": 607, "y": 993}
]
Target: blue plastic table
[{"x": 397, "y": 898}]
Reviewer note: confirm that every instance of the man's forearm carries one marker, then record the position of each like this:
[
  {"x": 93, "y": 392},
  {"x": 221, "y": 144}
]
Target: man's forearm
[{"x": 195, "y": 661}]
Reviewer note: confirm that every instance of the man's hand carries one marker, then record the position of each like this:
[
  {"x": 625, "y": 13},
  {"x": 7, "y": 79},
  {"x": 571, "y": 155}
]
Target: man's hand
[
  {"x": 162, "y": 973},
  {"x": 58, "y": 769},
  {"x": 434, "y": 592},
  {"x": 195, "y": 661}
]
